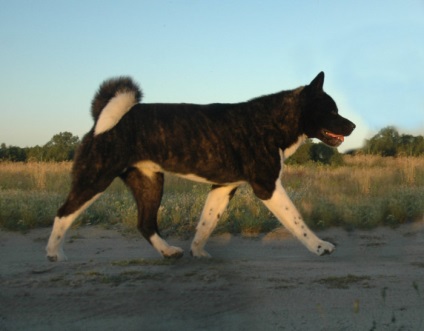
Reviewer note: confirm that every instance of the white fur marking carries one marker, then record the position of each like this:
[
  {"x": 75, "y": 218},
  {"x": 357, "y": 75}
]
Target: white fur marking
[
  {"x": 195, "y": 178},
  {"x": 199, "y": 179},
  {"x": 215, "y": 205},
  {"x": 163, "y": 248},
  {"x": 285, "y": 211},
  {"x": 117, "y": 107},
  {"x": 148, "y": 168},
  {"x": 289, "y": 151},
  {"x": 60, "y": 227}
]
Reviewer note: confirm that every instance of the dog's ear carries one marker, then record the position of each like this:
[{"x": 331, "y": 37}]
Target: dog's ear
[{"x": 316, "y": 86}]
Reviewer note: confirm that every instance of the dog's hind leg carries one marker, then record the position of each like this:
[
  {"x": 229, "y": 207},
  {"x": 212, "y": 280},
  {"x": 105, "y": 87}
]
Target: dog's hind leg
[
  {"x": 285, "y": 211},
  {"x": 215, "y": 205},
  {"x": 147, "y": 188}
]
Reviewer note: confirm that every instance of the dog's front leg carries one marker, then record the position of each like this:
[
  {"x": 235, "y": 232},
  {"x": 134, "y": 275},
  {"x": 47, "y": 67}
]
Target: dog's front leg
[
  {"x": 283, "y": 208},
  {"x": 215, "y": 205},
  {"x": 62, "y": 223}
]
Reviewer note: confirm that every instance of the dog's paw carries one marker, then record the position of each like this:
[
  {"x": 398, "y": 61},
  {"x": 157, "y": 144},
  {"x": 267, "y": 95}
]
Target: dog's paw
[
  {"x": 57, "y": 257},
  {"x": 173, "y": 252},
  {"x": 324, "y": 248},
  {"x": 200, "y": 253}
]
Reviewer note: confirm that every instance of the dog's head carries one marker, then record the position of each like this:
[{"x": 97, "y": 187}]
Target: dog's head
[{"x": 320, "y": 117}]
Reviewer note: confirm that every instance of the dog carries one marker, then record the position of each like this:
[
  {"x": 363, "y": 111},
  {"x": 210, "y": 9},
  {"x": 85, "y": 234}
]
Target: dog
[{"x": 222, "y": 144}]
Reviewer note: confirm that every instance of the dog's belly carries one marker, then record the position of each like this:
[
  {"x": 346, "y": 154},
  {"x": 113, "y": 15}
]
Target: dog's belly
[
  {"x": 198, "y": 179},
  {"x": 150, "y": 167}
]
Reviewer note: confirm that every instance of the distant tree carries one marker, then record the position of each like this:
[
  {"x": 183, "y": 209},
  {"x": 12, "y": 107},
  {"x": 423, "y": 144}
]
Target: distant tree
[
  {"x": 36, "y": 153},
  {"x": 61, "y": 147},
  {"x": 388, "y": 142},
  {"x": 319, "y": 153},
  {"x": 12, "y": 153},
  {"x": 405, "y": 145},
  {"x": 384, "y": 143},
  {"x": 3, "y": 149},
  {"x": 325, "y": 154},
  {"x": 418, "y": 148}
]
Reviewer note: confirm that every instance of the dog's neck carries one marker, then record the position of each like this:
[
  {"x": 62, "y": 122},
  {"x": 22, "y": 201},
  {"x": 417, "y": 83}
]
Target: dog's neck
[{"x": 289, "y": 151}]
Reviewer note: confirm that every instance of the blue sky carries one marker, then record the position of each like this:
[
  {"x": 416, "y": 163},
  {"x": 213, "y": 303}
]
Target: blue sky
[{"x": 54, "y": 55}]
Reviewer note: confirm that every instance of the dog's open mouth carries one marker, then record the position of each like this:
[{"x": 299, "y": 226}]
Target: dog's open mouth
[{"x": 331, "y": 138}]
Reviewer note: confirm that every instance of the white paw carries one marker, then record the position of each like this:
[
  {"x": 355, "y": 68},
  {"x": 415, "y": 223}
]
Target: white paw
[
  {"x": 324, "y": 248},
  {"x": 199, "y": 253},
  {"x": 173, "y": 252}
]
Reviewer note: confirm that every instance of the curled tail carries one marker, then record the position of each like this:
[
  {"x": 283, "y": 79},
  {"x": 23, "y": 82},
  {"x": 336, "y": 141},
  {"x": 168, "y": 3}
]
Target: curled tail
[{"x": 113, "y": 100}]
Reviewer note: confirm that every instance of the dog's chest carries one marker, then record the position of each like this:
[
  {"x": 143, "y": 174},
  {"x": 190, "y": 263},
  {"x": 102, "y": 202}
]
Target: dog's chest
[{"x": 289, "y": 151}]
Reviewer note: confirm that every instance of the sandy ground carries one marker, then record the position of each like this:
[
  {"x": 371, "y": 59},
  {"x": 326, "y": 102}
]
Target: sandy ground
[{"x": 115, "y": 281}]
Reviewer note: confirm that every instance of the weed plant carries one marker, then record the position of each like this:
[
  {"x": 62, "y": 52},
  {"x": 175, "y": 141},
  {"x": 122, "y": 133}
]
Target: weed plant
[{"x": 367, "y": 191}]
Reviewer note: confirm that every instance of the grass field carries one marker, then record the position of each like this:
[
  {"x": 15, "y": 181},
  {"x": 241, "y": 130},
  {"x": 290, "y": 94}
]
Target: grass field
[{"x": 366, "y": 192}]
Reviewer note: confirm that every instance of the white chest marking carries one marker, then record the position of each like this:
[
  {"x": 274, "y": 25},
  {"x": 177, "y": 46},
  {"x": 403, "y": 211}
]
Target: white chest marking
[{"x": 289, "y": 151}]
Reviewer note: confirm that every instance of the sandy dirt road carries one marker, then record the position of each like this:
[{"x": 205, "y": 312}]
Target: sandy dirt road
[{"x": 113, "y": 281}]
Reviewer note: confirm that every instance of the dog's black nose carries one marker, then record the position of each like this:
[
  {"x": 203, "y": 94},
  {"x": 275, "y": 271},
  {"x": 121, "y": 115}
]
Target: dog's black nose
[{"x": 352, "y": 126}]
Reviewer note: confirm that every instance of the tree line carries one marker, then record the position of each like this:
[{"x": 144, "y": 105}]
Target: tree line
[
  {"x": 60, "y": 148},
  {"x": 387, "y": 142}
]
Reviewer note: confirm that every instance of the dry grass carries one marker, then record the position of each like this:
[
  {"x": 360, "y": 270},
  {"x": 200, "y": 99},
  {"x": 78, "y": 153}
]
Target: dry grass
[
  {"x": 35, "y": 176},
  {"x": 366, "y": 192}
]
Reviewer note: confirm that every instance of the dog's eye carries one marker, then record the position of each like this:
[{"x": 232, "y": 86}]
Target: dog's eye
[{"x": 333, "y": 112}]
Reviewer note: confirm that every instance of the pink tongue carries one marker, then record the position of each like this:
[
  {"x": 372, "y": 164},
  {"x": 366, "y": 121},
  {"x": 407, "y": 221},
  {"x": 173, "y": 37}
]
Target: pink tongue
[{"x": 337, "y": 136}]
